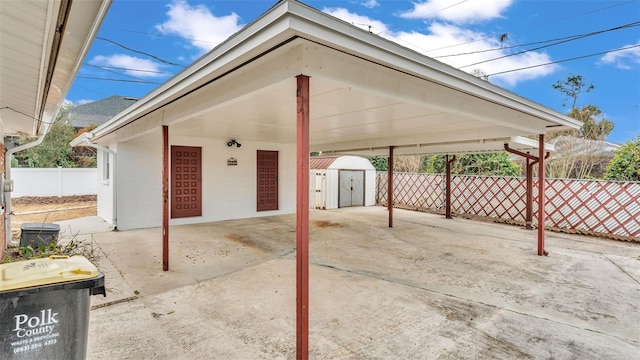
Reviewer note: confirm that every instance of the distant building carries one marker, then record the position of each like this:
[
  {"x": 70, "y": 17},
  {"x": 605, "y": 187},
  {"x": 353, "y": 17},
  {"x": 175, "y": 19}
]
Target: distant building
[{"x": 98, "y": 112}]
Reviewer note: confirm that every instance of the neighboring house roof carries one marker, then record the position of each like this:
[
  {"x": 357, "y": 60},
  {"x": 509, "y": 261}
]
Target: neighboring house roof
[
  {"x": 38, "y": 61},
  {"x": 367, "y": 93},
  {"x": 575, "y": 146},
  {"x": 97, "y": 112}
]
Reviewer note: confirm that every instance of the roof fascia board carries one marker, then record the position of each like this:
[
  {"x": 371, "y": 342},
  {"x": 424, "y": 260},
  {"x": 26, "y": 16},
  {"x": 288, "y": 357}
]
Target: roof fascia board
[
  {"x": 82, "y": 25},
  {"x": 266, "y": 31},
  {"x": 53, "y": 11},
  {"x": 494, "y": 145},
  {"x": 459, "y": 136},
  {"x": 331, "y": 31}
]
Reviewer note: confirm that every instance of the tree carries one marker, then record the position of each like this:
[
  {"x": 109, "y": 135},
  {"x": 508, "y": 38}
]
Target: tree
[
  {"x": 594, "y": 125},
  {"x": 496, "y": 164},
  {"x": 402, "y": 163},
  {"x": 55, "y": 149},
  {"x": 579, "y": 153},
  {"x": 625, "y": 165},
  {"x": 380, "y": 163},
  {"x": 572, "y": 87}
]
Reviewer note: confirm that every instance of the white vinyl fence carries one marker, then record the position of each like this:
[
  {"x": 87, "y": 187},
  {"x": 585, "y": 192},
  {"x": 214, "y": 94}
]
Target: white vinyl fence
[{"x": 54, "y": 181}]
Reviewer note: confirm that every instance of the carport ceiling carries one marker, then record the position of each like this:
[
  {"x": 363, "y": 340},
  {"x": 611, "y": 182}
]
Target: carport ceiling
[{"x": 366, "y": 93}]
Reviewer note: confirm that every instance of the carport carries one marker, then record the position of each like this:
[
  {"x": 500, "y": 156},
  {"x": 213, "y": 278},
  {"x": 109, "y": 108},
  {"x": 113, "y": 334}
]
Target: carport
[{"x": 310, "y": 82}]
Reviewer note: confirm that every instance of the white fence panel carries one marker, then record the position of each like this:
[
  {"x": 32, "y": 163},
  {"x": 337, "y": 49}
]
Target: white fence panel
[{"x": 54, "y": 181}]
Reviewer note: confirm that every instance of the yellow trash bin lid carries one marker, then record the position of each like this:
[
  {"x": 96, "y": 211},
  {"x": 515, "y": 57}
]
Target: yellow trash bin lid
[{"x": 51, "y": 270}]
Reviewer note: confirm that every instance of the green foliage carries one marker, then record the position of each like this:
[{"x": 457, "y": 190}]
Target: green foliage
[
  {"x": 381, "y": 163},
  {"x": 625, "y": 165},
  {"x": 594, "y": 125},
  {"x": 496, "y": 164},
  {"x": 55, "y": 150}
]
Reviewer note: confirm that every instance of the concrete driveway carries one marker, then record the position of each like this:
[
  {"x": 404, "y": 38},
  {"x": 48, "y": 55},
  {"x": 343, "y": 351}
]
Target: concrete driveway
[{"x": 430, "y": 288}]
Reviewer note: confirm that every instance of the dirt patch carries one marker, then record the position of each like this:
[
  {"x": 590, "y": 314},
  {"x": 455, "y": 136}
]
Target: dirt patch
[
  {"x": 52, "y": 208},
  {"x": 244, "y": 241},
  {"x": 48, "y": 209},
  {"x": 327, "y": 224}
]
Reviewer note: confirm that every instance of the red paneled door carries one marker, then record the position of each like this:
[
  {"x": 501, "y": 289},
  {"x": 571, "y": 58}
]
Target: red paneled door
[
  {"x": 186, "y": 181},
  {"x": 267, "y": 191}
]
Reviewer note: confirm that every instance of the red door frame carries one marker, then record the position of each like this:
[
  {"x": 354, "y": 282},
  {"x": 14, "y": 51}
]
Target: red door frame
[
  {"x": 193, "y": 184},
  {"x": 266, "y": 180}
]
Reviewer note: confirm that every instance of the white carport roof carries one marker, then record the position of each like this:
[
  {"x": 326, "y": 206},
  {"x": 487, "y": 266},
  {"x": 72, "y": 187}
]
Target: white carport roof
[
  {"x": 42, "y": 45},
  {"x": 366, "y": 93}
]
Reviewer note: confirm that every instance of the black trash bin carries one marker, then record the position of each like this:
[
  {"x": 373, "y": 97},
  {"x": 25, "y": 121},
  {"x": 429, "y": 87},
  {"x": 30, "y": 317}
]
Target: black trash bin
[
  {"x": 44, "y": 307},
  {"x": 34, "y": 234}
]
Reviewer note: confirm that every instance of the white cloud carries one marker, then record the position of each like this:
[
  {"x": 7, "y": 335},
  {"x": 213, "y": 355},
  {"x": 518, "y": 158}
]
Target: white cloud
[
  {"x": 198, "y": 25},
  {"x": 134, "y": 66},
  {"x": 459, "y": 11},
  {"x": 370, "y": 4},
  {"x": 624, "y": 59},
  {"x": 445, "y": 39}
]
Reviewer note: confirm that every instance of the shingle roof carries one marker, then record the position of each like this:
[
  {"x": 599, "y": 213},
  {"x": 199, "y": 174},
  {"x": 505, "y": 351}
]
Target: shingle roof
[{"x": 98, "y": 112}]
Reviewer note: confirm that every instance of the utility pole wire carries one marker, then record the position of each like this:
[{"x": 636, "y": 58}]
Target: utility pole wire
[
  {"x": 556, "y": 43},
  {"x": 120, "y": 80},
  {"x": 570, "y": 37},
  {"x": 139, "y": 52},
  {"x": 565, "y": 60},
  {"x": 538, "y": 25}
]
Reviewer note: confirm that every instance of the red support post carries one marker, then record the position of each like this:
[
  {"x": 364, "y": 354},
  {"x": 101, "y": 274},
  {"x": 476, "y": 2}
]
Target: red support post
[
  {"x": 165, "y": 198},
  {"x": 302, "y": 219},
  {"x": 529, "y": 194},
  {"x": 390, "y": 187},
  {"x": 448, "y": 185},
  {"x": 541, "y": 196}
]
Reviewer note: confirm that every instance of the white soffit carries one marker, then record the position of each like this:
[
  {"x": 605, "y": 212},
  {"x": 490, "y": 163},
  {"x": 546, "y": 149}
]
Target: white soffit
[{"x": 366, "y": 92}]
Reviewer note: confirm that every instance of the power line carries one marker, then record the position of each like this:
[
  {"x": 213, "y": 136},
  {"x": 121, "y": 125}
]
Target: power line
[
  {"x": 139, "y": 52},
  {"x": 130, "y": 69},
  {"x": 570, "y": 37},
  {"x": 556, "y": 43},
  {"x": 114, "y": 72},
  {"x": 444, "y": 8},
  {"x": 538, "y": 25},
  {"x": 120, "y": 80},
  {"x": 564, "y": 60}
]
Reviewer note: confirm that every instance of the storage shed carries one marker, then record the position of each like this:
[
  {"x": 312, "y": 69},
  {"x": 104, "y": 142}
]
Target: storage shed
[{"x": 341, "y": 181}]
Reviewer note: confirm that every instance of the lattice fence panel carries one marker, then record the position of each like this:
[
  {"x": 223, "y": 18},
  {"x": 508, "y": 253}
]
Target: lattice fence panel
[
  {"x": 413, "y": 189},
  {"x": 606, "y": 207},
  {"x": 498, "y": 197}
]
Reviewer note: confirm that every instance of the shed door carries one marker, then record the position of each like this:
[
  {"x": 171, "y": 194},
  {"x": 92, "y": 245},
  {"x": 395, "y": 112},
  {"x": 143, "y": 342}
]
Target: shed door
[
  {"x": 351, "y": 188},
  {"x": 267, "y": 191},
  {"x": 186, "y": 181}
]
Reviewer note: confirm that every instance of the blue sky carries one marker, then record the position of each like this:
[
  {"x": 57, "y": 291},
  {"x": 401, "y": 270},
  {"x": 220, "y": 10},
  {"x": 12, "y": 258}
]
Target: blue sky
[{"x": 143, "y": 43}]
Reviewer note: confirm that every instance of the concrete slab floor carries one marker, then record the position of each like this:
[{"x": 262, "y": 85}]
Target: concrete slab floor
[{"x": 429, "y": 288}]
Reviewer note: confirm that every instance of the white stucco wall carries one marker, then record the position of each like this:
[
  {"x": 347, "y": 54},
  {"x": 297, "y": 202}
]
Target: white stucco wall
[
  {"x": 139, "y": 177},
  {"x": 104, "y": 187},
  {"x": 228, "y": 192}
]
